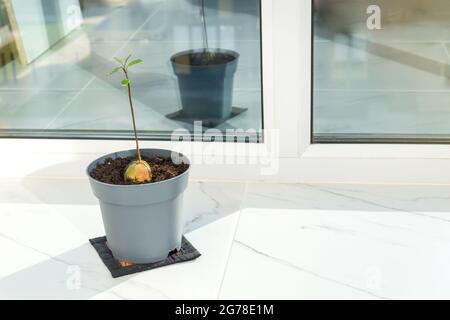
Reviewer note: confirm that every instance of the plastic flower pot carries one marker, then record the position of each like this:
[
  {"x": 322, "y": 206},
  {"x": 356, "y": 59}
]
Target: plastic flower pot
[
  {"x": 206, "y": 90},
  {"x": 143, "y": 223}
]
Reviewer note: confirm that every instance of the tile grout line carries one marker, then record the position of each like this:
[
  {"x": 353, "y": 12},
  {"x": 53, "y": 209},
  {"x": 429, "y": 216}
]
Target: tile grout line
[
  {"x": 312, "y": 273},
  {"x": 447, "y": 53},
  {"x": 126, "y": 42},
  {"x": 72, "y": 100},
  {"x": 241, "y": 207}
]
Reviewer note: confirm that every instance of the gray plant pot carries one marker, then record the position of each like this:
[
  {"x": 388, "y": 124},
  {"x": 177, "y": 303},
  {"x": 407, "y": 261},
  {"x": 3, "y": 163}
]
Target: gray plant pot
[
  {"x": 206, "y": 91},
  {"x": 143, "y": 223}
]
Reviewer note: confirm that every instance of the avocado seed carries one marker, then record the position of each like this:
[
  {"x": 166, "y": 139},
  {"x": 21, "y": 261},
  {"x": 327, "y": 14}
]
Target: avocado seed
[{"x": 138, "y": 171}]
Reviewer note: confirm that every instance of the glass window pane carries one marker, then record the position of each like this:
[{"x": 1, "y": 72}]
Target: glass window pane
[
  {"x": 201, "y": 62},
  {"x": 381, "y": 71}
]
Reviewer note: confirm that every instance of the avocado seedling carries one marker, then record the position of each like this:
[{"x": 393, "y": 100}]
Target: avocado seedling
[
  {"x": 137, "y": 171},
  {"x": 140, "y": 193}
]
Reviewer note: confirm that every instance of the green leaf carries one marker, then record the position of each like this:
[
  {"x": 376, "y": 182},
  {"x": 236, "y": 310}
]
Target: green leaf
[
  {"x": 114, "y": 71},
  {"x": 126, "y": 60},
  {"x": 119, "y": 61},
  {"x": 134, "y": 62},
  {"x": 125, "y": 82}
]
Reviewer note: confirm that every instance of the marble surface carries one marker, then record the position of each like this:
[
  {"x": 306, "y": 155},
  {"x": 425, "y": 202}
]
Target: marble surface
[{"x": 259, "y": 241}]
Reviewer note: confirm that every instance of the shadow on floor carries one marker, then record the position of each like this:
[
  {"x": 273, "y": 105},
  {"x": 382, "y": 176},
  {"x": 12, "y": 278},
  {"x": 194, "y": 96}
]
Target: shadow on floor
[{"x": 75, "y": 274}]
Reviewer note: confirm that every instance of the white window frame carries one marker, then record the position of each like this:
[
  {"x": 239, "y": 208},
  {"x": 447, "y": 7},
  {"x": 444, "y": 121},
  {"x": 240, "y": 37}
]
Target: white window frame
[{"x": 286, "y": 41}]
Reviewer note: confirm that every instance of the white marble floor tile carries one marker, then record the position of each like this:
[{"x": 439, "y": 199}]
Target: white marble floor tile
[
  {"x": 343, "y": 242},
  {"x": 256, "y": 275},
  {"x": 294, "y": 196},
  {"x": 35, "y": 235},
  {"x": 205, "y": 202},
  {"x": 429, "y": 202}
]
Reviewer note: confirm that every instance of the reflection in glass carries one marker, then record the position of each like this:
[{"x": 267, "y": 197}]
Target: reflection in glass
[
  {"x": 387, "y": 84},
  {"x": 55, "y": 55}
]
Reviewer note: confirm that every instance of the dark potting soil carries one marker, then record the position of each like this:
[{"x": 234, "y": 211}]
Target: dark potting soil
[
  {"x": 204, "y": 59},
  {"x": 112, "y": 171}
]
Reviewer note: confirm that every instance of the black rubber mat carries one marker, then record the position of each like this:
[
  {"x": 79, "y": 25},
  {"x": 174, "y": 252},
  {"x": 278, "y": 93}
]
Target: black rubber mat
[{"x": 186, "y": 253}]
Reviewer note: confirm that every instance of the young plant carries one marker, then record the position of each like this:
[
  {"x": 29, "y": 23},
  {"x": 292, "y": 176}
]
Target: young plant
[{"x": 137, "y": 171}]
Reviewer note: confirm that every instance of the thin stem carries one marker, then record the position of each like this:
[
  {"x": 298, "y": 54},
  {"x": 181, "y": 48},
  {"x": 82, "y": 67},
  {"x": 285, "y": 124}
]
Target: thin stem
[
  {"x": 132, "y": 116},
  {"x": 205, "y": 30}
]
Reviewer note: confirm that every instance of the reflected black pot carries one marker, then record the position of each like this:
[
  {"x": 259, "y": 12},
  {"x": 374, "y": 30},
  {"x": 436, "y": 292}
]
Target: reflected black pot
[{"x": 206, "y": 90}]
